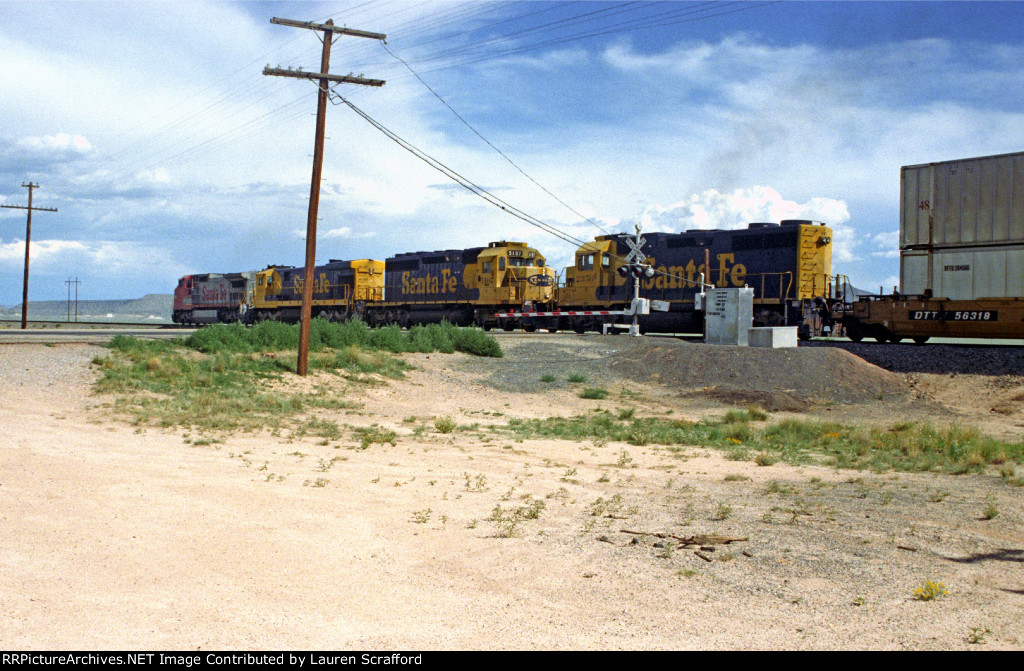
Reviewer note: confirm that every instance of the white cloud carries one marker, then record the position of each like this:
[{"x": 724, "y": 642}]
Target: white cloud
[
  {"x": 737, "y": 208},
  {"x": 205, "y": 148},
  {"x": 887, "y": 244},
  {"x": 61, "y": 144},
  {"x": 12, "y": 254},
  {"x": 344, "y": 233}
]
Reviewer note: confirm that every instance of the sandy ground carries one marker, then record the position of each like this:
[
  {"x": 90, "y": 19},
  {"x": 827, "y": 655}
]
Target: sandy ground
[{"x": 115, "y": 537}]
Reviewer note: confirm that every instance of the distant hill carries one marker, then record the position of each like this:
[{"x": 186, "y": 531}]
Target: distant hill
[{"x": 149, "y": 308}]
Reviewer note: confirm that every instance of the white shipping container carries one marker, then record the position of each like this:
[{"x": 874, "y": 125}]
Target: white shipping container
[
  {"x": 968, "y": 202},
  {"x": 964, "y": 273}
]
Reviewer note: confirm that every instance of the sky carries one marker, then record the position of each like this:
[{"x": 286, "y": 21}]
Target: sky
[{"x": 166, "y": 151}]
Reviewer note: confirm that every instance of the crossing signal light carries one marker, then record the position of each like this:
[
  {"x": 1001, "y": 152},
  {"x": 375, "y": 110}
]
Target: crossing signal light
[{"x": 637, "y": 270}]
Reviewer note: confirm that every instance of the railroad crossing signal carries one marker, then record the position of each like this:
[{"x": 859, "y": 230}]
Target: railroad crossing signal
[{"x": 635, "y": 255}]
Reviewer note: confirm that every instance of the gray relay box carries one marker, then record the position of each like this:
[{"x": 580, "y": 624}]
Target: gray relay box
[{"x": 728, "y": 316}]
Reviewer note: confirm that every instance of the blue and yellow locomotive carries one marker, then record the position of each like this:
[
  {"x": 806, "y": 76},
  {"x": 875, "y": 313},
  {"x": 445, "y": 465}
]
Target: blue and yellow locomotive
[{"x": 789, "y": 266}]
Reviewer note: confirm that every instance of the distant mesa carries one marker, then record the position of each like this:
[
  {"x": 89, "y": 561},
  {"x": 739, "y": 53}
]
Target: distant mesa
[{"x": 151, "y": 308}]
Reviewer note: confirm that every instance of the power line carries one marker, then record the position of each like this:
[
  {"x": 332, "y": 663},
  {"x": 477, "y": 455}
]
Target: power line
[
  {"x": 198, "y": 142},
  {"x": 28, "y": 238},
  {"x": 483, "y": 193},
  {"x": 489, "y": 144}
]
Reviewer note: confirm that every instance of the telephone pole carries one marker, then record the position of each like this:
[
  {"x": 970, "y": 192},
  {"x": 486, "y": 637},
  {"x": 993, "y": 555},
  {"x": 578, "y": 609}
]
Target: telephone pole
[
  {"x": 324, "y": 78},
  {"x": 69, "y": 282},
  {"x": 28, "y": 238}
]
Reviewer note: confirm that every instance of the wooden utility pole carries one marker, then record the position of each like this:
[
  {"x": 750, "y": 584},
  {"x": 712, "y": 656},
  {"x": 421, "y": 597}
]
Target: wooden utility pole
[
  {"x": 324, "y": 79},
  {"x": 69, "y": 282},
  {"x": 28, "y": 238}
]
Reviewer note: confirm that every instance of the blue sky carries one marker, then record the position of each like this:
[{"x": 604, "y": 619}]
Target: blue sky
[{"x": 151, "y": 128}]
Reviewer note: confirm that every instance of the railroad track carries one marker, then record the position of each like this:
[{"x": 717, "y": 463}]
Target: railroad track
[{"x": 90, "y": 336}]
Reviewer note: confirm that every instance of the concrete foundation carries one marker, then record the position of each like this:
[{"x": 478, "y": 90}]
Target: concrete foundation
[{"x": 774, "y": 337}]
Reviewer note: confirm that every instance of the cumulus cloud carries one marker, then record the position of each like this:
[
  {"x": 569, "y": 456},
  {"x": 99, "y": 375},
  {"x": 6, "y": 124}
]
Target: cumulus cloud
[
  {"x": 623, "y": 134},
  {"x": 103, "y": 265},
  {"x": 344, "y": 233},
  {"x": 41, "y": 152},
  {"x": 737, "y": 208},
  {"x": 61, "y": 144},
  {"x": 887, "y": 245},
  {"x": 12, "y": 254}
]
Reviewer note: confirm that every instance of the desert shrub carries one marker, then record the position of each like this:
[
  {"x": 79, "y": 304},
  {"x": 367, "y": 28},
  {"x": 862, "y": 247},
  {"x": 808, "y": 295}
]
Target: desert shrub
[
  {"x": 432, "y": 338},
  {"x": 388, "y": 338},
  {"x": 475, "y": 341},
  {"x": 270, "y": 336}
]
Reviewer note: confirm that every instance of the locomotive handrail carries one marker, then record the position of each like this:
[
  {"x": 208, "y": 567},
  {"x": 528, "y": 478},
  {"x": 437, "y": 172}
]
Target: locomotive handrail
[{"x": 784, "y": 290}]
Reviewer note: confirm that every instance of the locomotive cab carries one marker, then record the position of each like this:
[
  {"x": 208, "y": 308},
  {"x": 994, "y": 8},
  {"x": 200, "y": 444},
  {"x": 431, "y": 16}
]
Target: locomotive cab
[
  {"x": 595, "y": 268},
  {"x": 268, "y": 283},
  {"x": 511, "y": 273}
]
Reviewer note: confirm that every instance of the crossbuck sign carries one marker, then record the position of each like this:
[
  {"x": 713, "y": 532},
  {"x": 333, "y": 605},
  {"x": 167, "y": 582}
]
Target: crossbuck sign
[{"x": 635, "y": 256}]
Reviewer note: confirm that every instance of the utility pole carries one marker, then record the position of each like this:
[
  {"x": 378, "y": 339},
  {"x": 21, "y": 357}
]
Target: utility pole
[
  {"x": 324, "y": 78},
  {"x": 28, "y": 238},
  {"x": 69, "y": 282}
]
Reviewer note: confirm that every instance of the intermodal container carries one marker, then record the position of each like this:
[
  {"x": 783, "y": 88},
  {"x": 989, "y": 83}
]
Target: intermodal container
[
  {"x": 964, "y": 273},
  {"x": 971, "y": 202}
]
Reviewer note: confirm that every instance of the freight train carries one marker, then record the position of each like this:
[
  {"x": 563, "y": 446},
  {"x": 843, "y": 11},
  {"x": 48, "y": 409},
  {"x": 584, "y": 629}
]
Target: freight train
[
  {"x": 464, "y": 287},
  {"x": 961, "y": 255},
  {"x": 508, "y": 284}
]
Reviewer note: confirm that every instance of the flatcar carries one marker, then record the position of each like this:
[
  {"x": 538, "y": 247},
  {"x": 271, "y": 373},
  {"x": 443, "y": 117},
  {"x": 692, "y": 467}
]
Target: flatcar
[
  {"x": 789, "y": 266},
  {"x": 961, "y": 255},
  {"x": 898, "y": 317}
]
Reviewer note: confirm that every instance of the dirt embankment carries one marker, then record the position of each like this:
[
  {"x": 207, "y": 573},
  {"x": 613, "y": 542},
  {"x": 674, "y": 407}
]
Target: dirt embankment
[{"x": 119, "y": 536}]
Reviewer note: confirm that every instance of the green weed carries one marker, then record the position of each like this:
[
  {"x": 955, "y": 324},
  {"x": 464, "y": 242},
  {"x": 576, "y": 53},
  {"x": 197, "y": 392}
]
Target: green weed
[
  {"x": 902, "y": 447},
  {"x": 445, "y": 424}
]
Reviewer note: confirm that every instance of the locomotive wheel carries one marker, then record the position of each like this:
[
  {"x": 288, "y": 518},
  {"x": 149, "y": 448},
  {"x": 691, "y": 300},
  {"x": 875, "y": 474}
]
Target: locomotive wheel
[
  {"x": 553, "y": 329},
  {"x": 854, "y": 333},
  {"x": 508, "y": 326},
  {"x": 920, "y": 340},
  {"x": 529, "y": 328},
  {"x": 893, "y": 338}
]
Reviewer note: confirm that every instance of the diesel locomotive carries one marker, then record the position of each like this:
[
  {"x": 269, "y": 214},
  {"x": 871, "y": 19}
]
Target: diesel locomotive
[
  {"x": 508, "y": 285},
  {"x": 341, "y": 290},
  {"x": 211, "y": 298},
  {"x": 789, "y": 266},
  {"x": 464, "y": 287}
]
